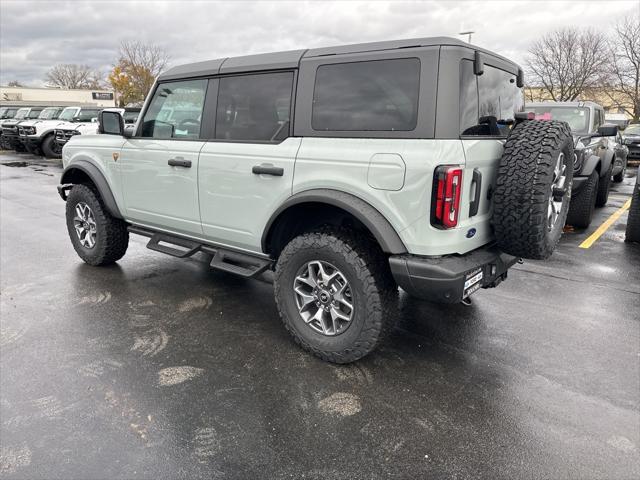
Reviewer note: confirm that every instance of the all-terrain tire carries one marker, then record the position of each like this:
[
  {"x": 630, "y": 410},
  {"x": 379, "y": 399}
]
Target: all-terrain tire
[
  {"x": 50, "y": 148},
  {"x": 633, "y": 221},
  {"x": 374, "y": 293},
  {"x": 583, "y": 203},
  {"x": 521, "y": 219},
  {"x": 112, "y": 236},
  {"x": 604, "y": 186}
]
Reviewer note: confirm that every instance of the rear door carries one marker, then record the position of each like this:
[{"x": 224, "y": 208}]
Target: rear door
[
  {"x": 159, "y": 167},
  {"x": 246, "y": 170}
]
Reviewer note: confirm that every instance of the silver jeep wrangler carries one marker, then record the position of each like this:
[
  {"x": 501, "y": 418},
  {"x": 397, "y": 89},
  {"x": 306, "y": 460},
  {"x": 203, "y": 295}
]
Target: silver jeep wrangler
[{"x": 347, "y": 170}]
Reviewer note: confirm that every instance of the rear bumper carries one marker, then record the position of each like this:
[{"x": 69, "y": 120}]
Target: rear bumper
[{"x": 451, "y": 278}]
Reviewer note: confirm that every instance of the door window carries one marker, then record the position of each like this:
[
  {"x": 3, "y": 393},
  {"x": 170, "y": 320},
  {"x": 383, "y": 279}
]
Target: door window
[
  {"x": 380, "y": 95},
  {"x": 254, "y": 107},
  {"x": 175, "y": 111}
]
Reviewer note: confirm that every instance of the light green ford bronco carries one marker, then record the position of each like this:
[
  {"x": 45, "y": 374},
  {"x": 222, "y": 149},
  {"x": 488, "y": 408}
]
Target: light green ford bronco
[{"x": 348, "y": 170}]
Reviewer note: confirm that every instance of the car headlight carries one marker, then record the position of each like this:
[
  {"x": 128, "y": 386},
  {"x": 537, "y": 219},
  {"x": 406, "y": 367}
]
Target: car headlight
[{"x": 29, "y": 130}]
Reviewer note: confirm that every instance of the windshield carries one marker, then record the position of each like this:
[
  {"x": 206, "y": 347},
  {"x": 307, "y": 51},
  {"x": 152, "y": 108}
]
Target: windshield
[
  {"x": 576, "y": 117},
  {"x": 22, "y": 113},
  {"x": 633, "y": 130},
  {"x": 48, "y": 113},
  {"x": 68, "y": 114}
]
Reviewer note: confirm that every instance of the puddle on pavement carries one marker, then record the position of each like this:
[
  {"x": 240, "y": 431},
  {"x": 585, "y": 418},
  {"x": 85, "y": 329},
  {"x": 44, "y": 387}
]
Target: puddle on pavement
[{"x": 14, "y": 164}]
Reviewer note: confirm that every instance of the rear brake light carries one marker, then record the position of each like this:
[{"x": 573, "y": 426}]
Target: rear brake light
[{"x": 445, "y": 201}]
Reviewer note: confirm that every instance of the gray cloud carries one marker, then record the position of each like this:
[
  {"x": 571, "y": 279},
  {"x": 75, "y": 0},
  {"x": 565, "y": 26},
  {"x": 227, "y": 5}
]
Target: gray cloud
[{"x": 34, "y": 35}]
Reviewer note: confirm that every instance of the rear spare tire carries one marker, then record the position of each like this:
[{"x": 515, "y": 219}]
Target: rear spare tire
[{"x": 533, "y": 188}]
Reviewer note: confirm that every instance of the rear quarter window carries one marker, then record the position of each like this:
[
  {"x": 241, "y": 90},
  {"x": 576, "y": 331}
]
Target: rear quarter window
[{"x": 379, "y": 95}]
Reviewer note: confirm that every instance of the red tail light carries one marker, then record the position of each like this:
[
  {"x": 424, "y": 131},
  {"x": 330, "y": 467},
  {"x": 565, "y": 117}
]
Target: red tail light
[{"x": 445, "y": 201}]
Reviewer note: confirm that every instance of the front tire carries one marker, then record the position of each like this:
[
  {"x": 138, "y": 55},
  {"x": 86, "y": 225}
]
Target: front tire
[
  {"x": 583, "y": 203},
  {"x": 632, "y": 233},
  {"x": 97, "y": 237},
  {"x": 50, "y": 147},
  {"x": 335, "y": 294}
]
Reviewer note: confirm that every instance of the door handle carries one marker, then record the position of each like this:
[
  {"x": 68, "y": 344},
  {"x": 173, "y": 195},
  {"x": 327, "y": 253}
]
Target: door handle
[
  {"x": 475, "y": 203},
  {"x": 267, "y": 169},
  {"x": 179, "y": 162}
]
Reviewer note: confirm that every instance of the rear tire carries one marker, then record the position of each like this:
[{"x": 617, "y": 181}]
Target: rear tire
[
  {"x": 50, "y": 148},
  {"x": 97, "y": 237},
  {"x": 371, "y": 289},
  {"x": 619, "y": 177},
  {"x": 583, "y": 203},
  {"x": 533, "y": 188},
  {"x": 603, "y": 188}
]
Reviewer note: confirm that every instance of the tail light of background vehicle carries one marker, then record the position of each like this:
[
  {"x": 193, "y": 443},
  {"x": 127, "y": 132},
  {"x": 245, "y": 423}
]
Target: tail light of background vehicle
[{"x": 445, "y": 201}]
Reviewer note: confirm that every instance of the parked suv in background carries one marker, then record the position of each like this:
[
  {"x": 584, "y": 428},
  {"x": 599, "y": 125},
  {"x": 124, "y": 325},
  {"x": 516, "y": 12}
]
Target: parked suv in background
[
  {"x": 620, "y": 159},
  {"x": 10, "y": 139},
  {"x": 8, "y": 112},
  {"x": 64, "y": 133},
  {"x": 33, "y": 132},
  {"x": 594, "y": 154},
  {"x": 348, "y": 170},
  {"x": 632, "y": 140},
  {"x": 70, "y": 117}
]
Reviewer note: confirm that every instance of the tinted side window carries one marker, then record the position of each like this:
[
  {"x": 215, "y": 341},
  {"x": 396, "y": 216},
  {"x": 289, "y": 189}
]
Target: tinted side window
[
  {"x": 254, "y": 107},
  {"x": 175, "y": 111},
  {"x": 498, "y": 99},
  {"x": 380, "y": 95}
]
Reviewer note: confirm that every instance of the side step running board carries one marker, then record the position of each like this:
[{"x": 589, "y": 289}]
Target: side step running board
[{"x": 238, "y": 263}]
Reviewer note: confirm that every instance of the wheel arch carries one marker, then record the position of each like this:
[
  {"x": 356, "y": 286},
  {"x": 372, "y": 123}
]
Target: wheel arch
[
  {"x": 293, "y": 215},
  {"x": 82, "y": 171},
  {"x": 592, "y": 163}
]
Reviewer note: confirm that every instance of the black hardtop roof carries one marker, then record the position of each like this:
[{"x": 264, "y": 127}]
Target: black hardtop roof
[{"x": 291, "y": 58}]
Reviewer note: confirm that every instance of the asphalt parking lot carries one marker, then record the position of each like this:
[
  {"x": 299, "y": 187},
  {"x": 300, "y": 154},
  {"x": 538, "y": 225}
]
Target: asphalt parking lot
[{"x": 161, "y": 368}]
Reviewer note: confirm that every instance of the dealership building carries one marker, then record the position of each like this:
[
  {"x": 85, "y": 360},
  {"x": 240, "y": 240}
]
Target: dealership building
[{"x": 19, "y": 96}]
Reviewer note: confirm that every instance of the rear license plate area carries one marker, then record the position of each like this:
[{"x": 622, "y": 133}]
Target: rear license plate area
[{"x": 472, "y": 282}]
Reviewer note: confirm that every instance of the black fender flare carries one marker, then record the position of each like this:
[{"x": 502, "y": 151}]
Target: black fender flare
[
  {"x": 590, "y": 165},
  {"x": 607, "y": 162},
  {"x": 98, "y": 180},
  {"x": 378, "y": 225}
]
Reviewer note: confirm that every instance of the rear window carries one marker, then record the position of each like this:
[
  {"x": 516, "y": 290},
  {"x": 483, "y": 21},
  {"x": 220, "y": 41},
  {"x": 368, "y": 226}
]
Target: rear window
[
  {"x": 488, "y": 101},
  {"x": 380, "y": 95},
  {"x": 576, "y": 117}
]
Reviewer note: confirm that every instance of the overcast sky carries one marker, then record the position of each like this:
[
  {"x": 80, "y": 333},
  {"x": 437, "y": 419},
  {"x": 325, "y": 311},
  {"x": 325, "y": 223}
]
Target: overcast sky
[{"x": 34, "y": 35}]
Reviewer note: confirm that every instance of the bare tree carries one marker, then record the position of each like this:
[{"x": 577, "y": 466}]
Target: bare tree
[
  {"x": 567, "y": 62},
  {"x": 138, "y": 66},
  {"x": 69, "y": 75},
  {"x": 14, "y": 83},
  {"x": 623, "y": 79}
]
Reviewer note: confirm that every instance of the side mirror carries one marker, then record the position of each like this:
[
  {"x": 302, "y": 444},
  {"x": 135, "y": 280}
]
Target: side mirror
[
  {"x": 94, "y": 120},
  {"x": 608, "y": 130},
  {"x": 75, "y": 119},
  {"x": 129, "y": 130},
  {"x": 110, "y": 123}
]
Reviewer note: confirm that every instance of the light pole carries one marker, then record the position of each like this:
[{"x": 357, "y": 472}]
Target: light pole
[{"x": 470, "y": 32}]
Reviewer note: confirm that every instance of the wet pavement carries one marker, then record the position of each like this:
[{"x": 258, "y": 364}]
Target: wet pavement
[{"x": 161, "y": 368}]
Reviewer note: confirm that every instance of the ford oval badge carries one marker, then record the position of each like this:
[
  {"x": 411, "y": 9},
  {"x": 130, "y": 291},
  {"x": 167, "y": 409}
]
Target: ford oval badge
[{"x": 471, "y": 232}]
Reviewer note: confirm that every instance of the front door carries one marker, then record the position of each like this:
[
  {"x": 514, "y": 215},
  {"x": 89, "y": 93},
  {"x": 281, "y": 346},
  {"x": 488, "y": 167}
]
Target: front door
[
  {"x": 159, "y": 167},
  {"x": 246, "y": 171}
]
